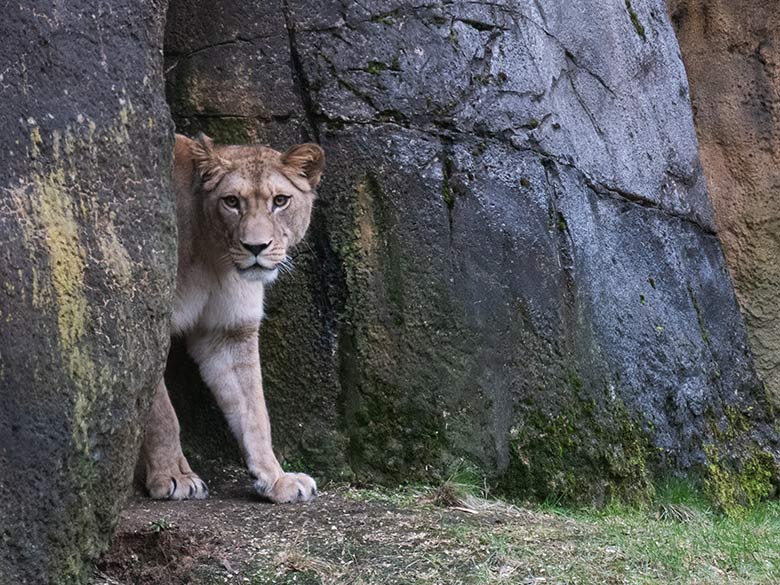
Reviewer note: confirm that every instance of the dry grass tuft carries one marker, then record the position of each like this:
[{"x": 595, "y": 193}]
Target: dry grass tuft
[
  {"x": 676, "y": 513},
  {"x": 461, "y": 497},
  {"x": 293, "y": 560}
]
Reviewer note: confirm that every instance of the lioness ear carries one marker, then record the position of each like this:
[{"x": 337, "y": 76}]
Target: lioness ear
[
  {"x": 306, "y": 160},
  {"x": 209, "y": 164}
]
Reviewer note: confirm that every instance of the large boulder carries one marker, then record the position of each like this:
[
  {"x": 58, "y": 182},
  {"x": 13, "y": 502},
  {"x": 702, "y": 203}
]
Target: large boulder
[
  {"x": 731, "y": 51},
  {"x": 513, "y": 262},
  {"x": 88, "y": 261}
]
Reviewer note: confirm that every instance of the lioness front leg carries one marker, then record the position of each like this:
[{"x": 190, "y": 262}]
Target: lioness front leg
[
  {"x": 230, "y": 364},
  {"x": 168, "y": 475}
]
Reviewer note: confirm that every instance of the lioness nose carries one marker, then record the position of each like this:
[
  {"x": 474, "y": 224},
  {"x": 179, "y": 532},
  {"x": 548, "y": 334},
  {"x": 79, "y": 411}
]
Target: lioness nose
[{"x": 256, "y": 248}]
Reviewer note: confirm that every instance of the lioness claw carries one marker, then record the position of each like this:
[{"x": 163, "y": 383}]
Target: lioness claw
[
  {"x": 186, "y": 486},
  {"x": 290, "y": 488}
]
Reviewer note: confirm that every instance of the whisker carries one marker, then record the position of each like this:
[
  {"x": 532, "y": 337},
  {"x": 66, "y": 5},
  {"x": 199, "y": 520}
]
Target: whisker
[
  {"x": 225, "y": 258},
  {"x": 286, "y": 265}
]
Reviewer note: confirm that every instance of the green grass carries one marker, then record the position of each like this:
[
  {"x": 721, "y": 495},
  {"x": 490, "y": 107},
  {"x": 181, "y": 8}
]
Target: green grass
[
  {"x": 677, "y": 540},
  {"x": 638, "y": 548}
]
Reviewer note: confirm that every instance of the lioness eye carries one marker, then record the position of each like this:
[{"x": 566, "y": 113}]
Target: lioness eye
[
  {"x": 281, "y": 200},
  {"x": 231, "y": 202}
]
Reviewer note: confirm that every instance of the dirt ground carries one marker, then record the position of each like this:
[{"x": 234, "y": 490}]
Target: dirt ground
[
  {"x": 347, "y": 535},
  {"x": 427, "y": 536}
]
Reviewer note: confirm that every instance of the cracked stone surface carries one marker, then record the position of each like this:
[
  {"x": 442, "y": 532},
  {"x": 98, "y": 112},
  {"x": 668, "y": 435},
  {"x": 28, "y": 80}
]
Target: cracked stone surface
[
  {"x": 87, "y": 262},
  {"x": 732, "y": 54},
  {"x": 513, "y": 260}
]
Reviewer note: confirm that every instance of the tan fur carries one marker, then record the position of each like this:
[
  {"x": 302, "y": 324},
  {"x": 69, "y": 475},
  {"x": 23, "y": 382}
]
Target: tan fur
[{"x": 219, "y": 298}]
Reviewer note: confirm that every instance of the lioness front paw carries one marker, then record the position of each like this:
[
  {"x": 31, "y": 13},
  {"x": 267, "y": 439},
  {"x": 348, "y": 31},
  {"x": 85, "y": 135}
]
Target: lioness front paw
[
  {"x": 177, "y": 486},
  {"x": 289, "y": 488}
]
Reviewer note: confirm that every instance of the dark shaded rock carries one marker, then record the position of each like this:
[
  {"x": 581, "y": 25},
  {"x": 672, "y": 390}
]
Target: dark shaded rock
[
  {"x": 228, "y": 71},
  {"x": 732, "y": 55},
  {"x": 87, "y": 243},
  {"x": 513, "y": 260}
]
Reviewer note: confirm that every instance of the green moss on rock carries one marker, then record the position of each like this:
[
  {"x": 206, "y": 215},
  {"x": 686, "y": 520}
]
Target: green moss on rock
[
  {"x": 640, "y": 29},
  {"x": 584, "y": 455},
  {"x": 738, "y": 486},
  {"x": 227, "y": 129},
  {"x": 393, "y": 430},
  {"x": 376, "y": 67}
]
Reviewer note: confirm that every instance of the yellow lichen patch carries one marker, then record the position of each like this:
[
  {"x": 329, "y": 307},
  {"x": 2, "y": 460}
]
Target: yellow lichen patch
[
  {"x": 80, "y": 366},
  {"x": 35, "y": 142},
  {"x": 56, "y": 140},
  {"x": 21, "y": 200},
  {"x": 56, "y": 207},
  {"x": 66, "y": 256},
  {"x": 45, "y": 210},
  {"x": 67, "y": 265}
]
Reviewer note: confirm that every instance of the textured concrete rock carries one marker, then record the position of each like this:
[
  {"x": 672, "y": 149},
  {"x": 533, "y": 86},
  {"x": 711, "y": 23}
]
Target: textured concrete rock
[
  {"x": 732, "y": 54},
  {"x": 513, "y": 260},
  {"x": 87, "y": 244}
]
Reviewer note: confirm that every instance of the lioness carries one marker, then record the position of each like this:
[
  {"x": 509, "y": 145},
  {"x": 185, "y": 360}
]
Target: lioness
[{"x": 240, "y": 209}]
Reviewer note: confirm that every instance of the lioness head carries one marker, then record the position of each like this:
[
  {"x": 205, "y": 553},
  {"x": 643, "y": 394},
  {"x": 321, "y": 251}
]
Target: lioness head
[{"x": 256, "y": 201}]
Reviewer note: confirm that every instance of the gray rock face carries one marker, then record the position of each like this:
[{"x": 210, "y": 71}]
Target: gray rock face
[
  {"x": 87, "y": 242},
  {"x": 513, "y": 260}
]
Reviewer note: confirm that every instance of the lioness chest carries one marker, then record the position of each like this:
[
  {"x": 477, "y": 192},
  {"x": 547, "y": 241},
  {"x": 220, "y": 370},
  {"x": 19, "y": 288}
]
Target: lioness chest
[{"x": 209, "y": 302}]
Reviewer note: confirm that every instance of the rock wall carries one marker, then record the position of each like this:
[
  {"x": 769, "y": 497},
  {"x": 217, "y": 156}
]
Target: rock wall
[
  {"x": 87, "y": 243},
  {"x": 731, "y": 52},
  {"x": 513, "y": 260}
]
